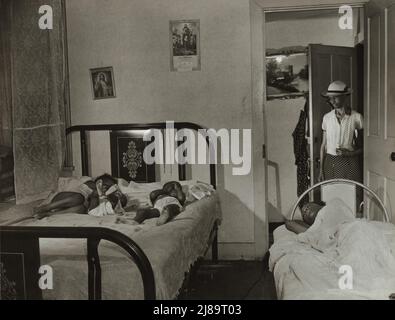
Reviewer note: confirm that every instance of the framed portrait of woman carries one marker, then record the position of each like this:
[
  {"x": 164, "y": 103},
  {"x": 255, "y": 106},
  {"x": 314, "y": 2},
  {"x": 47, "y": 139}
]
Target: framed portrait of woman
[{"x": 103, "y": 85}]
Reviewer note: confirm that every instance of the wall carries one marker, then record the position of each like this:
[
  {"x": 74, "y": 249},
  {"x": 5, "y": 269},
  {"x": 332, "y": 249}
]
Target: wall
[
  {"x": 283, "y": 115},
  {"x": 133, "y": 37}
]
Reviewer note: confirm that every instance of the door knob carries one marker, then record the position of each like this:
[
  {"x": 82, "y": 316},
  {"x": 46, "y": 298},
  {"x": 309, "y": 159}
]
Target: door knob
[{"x": 393, "y": 156}]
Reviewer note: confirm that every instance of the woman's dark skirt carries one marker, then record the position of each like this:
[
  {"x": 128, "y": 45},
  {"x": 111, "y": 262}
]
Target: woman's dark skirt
[{"x": 338, "y": 167}]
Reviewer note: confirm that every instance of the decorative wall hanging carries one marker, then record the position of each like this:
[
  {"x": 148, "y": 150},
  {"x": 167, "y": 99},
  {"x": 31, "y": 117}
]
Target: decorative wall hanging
[
  {"x": 185, "y": 45},
  {"x": 127, "y": 162}
]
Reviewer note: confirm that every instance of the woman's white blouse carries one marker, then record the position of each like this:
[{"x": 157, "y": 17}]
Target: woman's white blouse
[{"x": 340, "y": 135}]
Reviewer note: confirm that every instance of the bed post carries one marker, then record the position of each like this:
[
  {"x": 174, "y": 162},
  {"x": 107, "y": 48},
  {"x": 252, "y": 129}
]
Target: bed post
[
  {"x": 213, "y": 177},
  {"x": 214, "y": 246},
  {"x": 84, "y": 153},
  {"x": 182, "y": 176},
  {"x": 94, "y": 269}
]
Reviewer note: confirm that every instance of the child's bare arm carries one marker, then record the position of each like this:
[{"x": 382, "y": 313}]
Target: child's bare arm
[
  {"x": 94, "y": 201},
  {"x": 146, "y": 213},
  {"x": 62, "y": 200}
]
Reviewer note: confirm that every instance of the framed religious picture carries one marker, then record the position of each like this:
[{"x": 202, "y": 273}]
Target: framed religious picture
[
  {"x": 103, "y": 85},
  {"x": 185, "y": 45},
  {"x": 287, "y": 73}
]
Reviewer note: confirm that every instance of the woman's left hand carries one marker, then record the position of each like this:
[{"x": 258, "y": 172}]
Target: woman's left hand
[{"x": 344, "y": 152}]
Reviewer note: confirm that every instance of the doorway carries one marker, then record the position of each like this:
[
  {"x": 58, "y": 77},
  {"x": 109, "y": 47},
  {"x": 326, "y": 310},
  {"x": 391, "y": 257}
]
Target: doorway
[{"x": 293, "y": 38}]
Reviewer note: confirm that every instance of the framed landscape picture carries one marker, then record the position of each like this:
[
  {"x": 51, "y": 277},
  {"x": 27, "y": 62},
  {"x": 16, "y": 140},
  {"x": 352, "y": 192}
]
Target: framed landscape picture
[
  {"x": 287, "y": 75},
  {"x": 185, "y": 45},
  {"x": 103, "y": 85}
]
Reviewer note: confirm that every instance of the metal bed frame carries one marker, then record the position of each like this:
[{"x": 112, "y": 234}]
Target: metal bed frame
[
  {"x": 25, "y": 240},
  {"x": 344, "y": 181}
]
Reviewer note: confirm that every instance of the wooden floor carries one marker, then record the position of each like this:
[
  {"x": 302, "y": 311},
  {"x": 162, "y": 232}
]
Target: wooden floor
[{"x": 232, "y": 280}]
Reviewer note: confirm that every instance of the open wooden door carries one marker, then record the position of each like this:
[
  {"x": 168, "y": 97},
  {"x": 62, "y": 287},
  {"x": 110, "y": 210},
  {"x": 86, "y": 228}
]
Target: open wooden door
[
  {"x": 327, "y": 64},
  {"x": 379, "y": 168}
]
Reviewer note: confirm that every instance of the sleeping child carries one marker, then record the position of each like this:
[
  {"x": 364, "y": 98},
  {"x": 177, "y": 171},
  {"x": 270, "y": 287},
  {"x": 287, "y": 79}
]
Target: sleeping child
[
  {"x": 166, "y": 204},
  {"x": 99, "y": 197},
  {"x": 310, "y": 211}
]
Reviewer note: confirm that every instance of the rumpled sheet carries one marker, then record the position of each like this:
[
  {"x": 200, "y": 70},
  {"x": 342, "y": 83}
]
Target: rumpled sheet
[
  {"x": 171, "y": 249},
  {"x": 307, "y": 265}
]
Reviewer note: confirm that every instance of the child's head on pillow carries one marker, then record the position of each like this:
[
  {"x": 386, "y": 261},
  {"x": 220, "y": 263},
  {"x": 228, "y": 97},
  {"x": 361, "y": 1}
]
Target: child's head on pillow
[
  {"x": 170, "y": 189},
  {"x": 107, "y": 181},
  {"x": 174, "y": 189},
  {"x": 310, "y": 211}
]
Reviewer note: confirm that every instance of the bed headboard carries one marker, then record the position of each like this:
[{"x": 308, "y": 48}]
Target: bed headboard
[
  {"x": 124, "y": 137},
  {"x": 127, "y": 148}
]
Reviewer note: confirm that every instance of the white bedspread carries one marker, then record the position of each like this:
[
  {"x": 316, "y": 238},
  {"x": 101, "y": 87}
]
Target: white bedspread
[
  {"x": 171, "y": 250},
  {"x": 307, "y": 266}
]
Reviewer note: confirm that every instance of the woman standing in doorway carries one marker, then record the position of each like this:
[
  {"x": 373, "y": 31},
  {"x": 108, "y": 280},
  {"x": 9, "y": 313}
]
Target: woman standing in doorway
[{"x": 341, "y": 149}]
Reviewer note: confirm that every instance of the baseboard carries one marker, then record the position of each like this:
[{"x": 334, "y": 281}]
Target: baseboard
[{"x": 238, "y": 251}]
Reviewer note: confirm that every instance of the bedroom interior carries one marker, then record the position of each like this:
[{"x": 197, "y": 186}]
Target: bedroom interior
[{"x": 77, "y": 99}]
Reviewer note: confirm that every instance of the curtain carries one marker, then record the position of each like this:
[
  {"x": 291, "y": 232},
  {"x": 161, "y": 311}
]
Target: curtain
[
  {"x": 37, "y": 99},
  {"x": 5, "y": 75}
]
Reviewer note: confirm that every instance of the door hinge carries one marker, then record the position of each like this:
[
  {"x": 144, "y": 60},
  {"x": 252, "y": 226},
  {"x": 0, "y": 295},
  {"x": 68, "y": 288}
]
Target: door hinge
[{"x": 264, "y": 151}]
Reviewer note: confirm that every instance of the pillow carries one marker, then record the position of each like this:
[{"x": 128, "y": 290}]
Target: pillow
[
  {"x": 334, "y": 213},
  {"x": 310, "y": 211},
  {"x": 296, "y": 226},
  {"x": 138, "y": 193},
  {"x": 144, "y": 187},
  {"x": 198, "y": 191}
]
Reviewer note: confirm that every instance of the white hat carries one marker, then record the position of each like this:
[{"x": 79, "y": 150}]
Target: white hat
[{"x": 337, "y": 88}]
